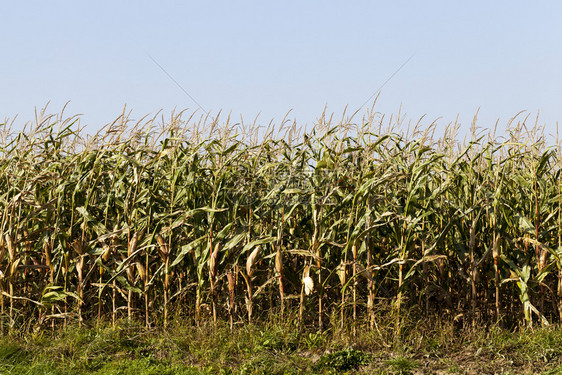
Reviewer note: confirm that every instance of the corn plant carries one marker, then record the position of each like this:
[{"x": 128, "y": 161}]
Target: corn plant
[{"x": 209, "y": 220}]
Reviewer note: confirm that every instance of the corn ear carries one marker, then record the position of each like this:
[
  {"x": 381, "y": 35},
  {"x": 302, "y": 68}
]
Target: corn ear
[{"x": 252, "y": 260}]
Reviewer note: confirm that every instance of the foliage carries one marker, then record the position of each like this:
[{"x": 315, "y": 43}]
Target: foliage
[
  {"x": 344, "y": 360},
  {"x": 196, "y": 221}
]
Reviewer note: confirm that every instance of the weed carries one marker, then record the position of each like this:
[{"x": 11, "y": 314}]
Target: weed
[
  {"x": 315, "y": 340},
  {"x": 11, "y": 353},
  {"x": 343, "y": 360},
  {"x": 401, "y": 365}
]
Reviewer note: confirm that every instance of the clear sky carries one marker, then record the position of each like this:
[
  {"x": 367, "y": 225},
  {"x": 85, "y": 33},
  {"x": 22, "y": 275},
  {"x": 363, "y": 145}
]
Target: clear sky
[{"x": 275, "y": 56}]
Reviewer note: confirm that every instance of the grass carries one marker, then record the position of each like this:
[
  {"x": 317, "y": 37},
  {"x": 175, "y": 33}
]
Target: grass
[
  {"x": 129, "y": 348},
  {"x": 402, "y": 365}
]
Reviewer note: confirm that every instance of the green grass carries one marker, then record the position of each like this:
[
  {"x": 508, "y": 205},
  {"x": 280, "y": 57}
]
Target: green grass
[{"x": 276, "y": 348}]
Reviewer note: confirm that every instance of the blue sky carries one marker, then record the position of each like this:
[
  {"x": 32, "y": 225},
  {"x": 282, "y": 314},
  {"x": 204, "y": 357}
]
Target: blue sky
[{"x": 247, "y": 57}]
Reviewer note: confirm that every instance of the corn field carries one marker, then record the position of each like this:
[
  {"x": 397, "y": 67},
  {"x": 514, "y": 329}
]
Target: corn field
[{"x": 211, "y": 220}]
